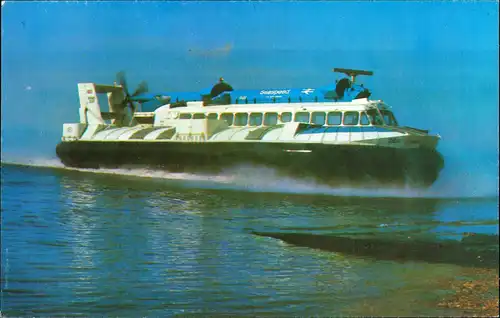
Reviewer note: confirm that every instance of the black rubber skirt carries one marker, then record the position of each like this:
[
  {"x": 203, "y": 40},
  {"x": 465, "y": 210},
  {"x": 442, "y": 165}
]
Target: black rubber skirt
[{"x": 328, "y": 164}]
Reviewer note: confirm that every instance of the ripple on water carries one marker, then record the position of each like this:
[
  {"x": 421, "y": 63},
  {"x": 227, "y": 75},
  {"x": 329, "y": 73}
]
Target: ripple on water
[{"x": 115, "y": 246}]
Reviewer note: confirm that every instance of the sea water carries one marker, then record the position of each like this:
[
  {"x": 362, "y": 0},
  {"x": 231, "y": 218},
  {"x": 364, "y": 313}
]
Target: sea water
[{"x": 137, "y": 242}]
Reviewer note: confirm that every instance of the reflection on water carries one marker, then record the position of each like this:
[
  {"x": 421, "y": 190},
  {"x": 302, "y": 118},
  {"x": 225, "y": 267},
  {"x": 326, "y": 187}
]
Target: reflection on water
[
  {"x": 465, "y": 253},
  {"x": 95, "y": 244}
]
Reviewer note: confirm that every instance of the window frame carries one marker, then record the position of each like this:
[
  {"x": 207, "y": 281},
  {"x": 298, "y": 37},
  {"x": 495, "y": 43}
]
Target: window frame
[
  {"x": 236, "y": 118},
  {"x": 377, "y": 114},
  {"x": 345, "y": 115},
  {"x": 266, "y": 116},
  {"x": 203, "y": 114},
  {"x": 232, "y": 118},
  {"x": 318, "y": 112},
  {"x": 389, "y": 113},
  {"x": 302, "y": 112},
  {"x": 336, "y": 112},
  {"x": 181, "y": 116},
  {"x": 363, "y": 113},
  {"x": 261, "y": 119},
  {"x": 281, "y": 117}
]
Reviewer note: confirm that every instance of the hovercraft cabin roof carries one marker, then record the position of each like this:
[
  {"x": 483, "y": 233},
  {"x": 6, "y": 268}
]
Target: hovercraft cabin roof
[{"x": 343, "y": 91}]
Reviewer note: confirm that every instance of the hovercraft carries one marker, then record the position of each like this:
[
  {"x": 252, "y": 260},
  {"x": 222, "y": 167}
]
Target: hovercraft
[{"x": 333, "y": 134}]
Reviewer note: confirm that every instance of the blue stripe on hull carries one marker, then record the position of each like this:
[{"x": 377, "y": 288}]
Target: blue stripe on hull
[{"x": 343, "y": 129}]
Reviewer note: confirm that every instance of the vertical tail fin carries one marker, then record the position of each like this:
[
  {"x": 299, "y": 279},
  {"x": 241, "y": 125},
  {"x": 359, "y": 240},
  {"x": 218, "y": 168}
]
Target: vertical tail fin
[{"x": 90, "y": 108}]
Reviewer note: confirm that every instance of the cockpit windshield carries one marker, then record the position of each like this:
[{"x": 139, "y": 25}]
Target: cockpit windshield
[
  {"x": 375, "y": 117},
  {"x": 389, "y": 118}
]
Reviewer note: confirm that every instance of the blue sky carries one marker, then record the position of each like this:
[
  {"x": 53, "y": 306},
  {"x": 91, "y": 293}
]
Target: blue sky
[{"x": 436, "y": 63}]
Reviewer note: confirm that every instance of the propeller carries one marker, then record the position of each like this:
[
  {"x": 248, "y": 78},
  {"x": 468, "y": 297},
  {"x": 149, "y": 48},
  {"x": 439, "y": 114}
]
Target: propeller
[{"x": 127, "y": 101}]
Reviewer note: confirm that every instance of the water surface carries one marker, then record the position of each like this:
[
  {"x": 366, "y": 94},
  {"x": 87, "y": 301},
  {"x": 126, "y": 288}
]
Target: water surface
[{"x": 82, "y": 243}]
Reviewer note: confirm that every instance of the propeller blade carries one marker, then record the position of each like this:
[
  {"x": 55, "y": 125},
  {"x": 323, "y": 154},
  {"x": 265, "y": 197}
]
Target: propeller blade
[
  {"x": 123, "y": 82},
  {"x": 127, "y": 101},
  {"x": 131, "y": 106},
  {"x": 142, "y": 88}
]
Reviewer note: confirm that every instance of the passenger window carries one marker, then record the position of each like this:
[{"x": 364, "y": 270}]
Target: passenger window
[
  {"x": 228, "y": 117},
  {"x": 318, "y": 118},
  {"x": 351, "y": 118},
  {"x": 241, "y": 119},
  {"x": 199, "y": 116},
  {"x": 286, "y": 117},
  {"x": 302, "y": 117},
  {"x": 364, "y": 119},
  {"x": 334, "y": 118},
  {"x": 185, "y": 116},
  {"x": 212, "y": 116},
  {"x": 270, "y": 119},
  {"x": 255, "y": 119}
]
